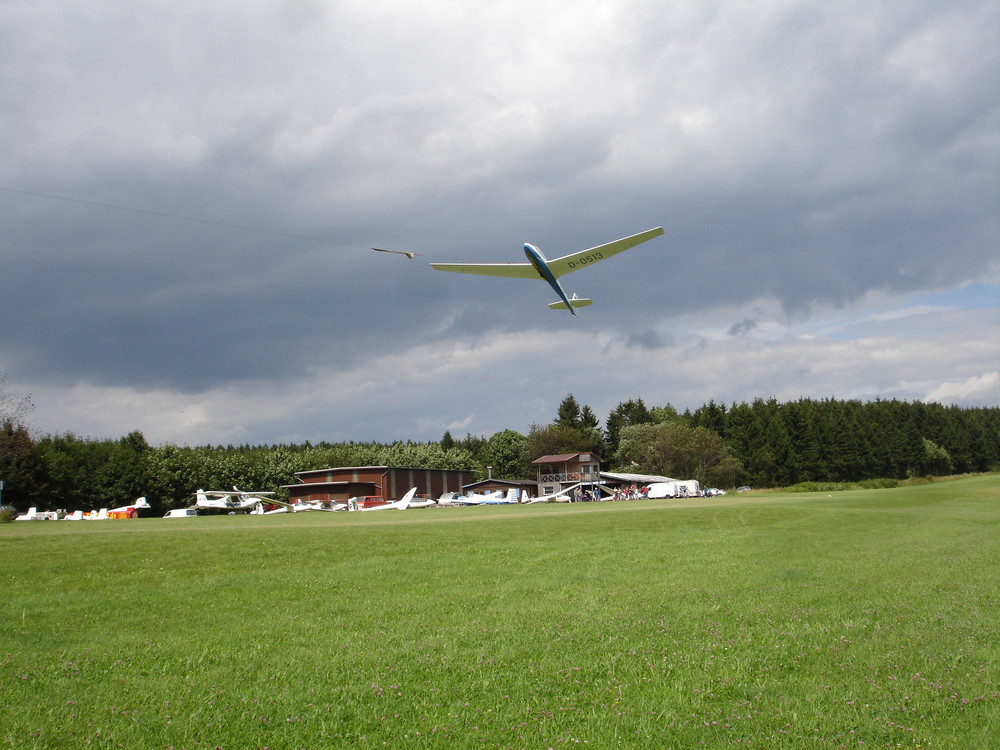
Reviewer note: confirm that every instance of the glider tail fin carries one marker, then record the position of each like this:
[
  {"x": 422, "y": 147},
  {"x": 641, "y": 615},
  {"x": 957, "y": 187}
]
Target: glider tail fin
[
  {"x": 574, "y": 301},
  {"x": 404, "y": 503}
]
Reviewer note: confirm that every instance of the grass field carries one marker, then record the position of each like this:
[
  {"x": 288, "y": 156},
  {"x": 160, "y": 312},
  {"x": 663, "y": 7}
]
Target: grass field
[{"x": 858, "y": 619}]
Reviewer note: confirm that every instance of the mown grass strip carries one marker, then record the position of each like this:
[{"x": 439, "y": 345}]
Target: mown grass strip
[{"x": 866, "y": 618}]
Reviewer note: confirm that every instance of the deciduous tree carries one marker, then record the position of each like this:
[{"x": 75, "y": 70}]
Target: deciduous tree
[
  {"x": 676, "y": 450},
  {"x": 627, "y": 413},
  {"x": 505, "y": 452},
  {"x": 21, "y": 467}
]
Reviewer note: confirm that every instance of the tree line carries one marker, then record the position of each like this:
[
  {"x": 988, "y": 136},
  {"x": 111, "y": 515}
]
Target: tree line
[
  {"x": 767, "y": 443},
  {"x": 764, "y": 443},
  {"x": 780, "y": 444},
  {"x": 70, "y": 472}
]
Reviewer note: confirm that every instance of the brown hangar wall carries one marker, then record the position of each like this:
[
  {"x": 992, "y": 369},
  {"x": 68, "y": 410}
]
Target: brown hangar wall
[{"x": 391, "y": 482}]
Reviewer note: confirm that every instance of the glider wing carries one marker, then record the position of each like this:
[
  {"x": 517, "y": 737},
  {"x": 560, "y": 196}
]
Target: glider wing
[
  {"x": 584, "y": 258},
  {"x": 510, "y": 270}
]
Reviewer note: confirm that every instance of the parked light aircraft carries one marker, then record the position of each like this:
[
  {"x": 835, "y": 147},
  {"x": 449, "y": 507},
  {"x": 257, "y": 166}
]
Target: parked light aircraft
[
  {"x": 34, "y": 514},
  {"x": 296, "y": 507},
  {"x": 421, "y": 502},
  {"x": 126, "y": 511},
  {"x": 556, "y": 497},
  {"x": 509, "y": 499},
  {"x": 129, "y": 511},
  {"x": 234, "y": 501},
  {"x": 475, "y": 499},
  {"x": 550, "y": 270},
  {"x": 451, "y": 498},
  {"x": 402, "y": 504}
]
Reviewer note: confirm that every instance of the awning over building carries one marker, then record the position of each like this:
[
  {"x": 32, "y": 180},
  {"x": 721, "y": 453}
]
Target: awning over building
[
  {"x": 487, "y": 485},
  {"x": 613, "y": 476}
]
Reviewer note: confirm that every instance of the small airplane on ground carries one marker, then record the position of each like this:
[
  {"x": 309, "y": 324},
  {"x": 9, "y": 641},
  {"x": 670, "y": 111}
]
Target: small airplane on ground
[
  {"x": 476, "y": 499},
  {"x": 234, "y": 502},
  {"x": 556, "y": 497},
  {"x": 402, "y": 504},
  {"x": 129, "y": 511},
  {"x": 126, "y": 511},
  {"x": 34, "y": 514},
  {"x": 421, "y": 502},
  {"x": 510, "y": 498},
  {"x": 538, "y": 267},
  {"x": 296, "y": 507},
  {"x": 451, "y": 499}
]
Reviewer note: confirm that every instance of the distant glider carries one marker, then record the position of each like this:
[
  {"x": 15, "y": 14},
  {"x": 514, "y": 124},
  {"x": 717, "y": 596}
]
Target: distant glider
[
  {"x": 550, "y": 270},
  {"x": 407, "y": 253}
]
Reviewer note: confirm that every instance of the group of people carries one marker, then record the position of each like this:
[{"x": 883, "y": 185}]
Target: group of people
[
  {"x": 630, "y": 493},
  {"x": 581, "y": 495}
]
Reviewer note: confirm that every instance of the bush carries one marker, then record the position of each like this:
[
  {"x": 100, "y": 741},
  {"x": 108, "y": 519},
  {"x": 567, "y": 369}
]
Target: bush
[
  {"x": 878, "y": 484},
  {"x": 865, "y": 484},
  {"x": 7, "y": 514},
  {"x": 820, "y": 487}
]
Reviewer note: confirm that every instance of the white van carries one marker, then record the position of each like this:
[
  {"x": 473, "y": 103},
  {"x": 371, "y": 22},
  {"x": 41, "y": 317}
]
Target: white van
[
  {"x": 181, "y": 513},
  {"x": 689, "y": 488}
]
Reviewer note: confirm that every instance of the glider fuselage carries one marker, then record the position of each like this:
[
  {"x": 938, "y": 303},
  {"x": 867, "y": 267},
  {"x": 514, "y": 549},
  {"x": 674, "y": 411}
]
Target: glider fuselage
[{"x": 541, "y": 265}]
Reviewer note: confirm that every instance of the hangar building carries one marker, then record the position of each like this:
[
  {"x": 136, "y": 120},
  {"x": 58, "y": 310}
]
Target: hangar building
[{"x": 390, "y": 482}]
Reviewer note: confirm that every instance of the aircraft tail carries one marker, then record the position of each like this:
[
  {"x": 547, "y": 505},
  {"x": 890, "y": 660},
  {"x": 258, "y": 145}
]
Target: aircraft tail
[
  {"x": 574, "y": 301},
  {"x": 404, "y": 503}
]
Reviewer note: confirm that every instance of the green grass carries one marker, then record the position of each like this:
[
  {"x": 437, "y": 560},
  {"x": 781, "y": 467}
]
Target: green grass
[{"x": 863, "y": 618}]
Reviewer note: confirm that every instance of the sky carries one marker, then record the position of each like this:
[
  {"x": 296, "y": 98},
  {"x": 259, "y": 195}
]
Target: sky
[{"x": 190, "y": 191}]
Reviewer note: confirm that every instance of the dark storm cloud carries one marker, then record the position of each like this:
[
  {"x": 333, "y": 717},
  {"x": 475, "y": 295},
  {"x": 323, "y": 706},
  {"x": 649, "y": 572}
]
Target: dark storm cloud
[
  {"x": 808, "y": 155},
  {"x": 742, "y": 328},
  {"x": 649, "y": 339}
]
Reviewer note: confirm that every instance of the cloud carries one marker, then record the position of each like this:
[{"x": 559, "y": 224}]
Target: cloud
[
  {"x": 976, "y": 390},
  {"x": 484, "y": 385},
  {"x": 803, "y": 159},
  {"x": 650, "y": 339},
  {"x": 742, "y": 328}
]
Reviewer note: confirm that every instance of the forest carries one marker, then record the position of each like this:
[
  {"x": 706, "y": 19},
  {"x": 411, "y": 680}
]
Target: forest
[{"x": 764, "y": 443}]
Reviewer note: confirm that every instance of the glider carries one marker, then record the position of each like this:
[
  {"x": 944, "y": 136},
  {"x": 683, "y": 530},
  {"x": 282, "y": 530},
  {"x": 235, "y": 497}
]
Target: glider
[
  {"x": 556, "y": 497},
  {"x": 401, "y": 504},
  {"x": 407, "y": 253},
  {"x": 550, "y": 270}
]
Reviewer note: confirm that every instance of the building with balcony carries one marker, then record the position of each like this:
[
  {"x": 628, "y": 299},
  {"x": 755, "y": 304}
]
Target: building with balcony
[{"x": 562, "y": 470}]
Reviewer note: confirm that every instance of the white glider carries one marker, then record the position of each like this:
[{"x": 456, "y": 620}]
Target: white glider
[
  {"x": 556, "y": 497},
  {"x": 402, "y": 504},
  {"x": 538, "y": 267}
]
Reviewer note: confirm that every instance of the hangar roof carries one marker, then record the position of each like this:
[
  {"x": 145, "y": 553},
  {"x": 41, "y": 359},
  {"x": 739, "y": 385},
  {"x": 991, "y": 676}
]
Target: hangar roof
[{"x": 638, "y": 478}]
